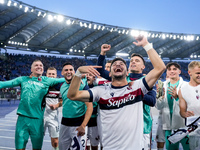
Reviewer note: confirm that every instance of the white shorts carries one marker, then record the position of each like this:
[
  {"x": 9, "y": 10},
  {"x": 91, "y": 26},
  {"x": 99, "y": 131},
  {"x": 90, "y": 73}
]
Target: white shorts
[
  {"x": 194, "y": 142},
  {"x": 160, "y": 133},
  {"x": 93, "y": 136},
  {"x": 68, "y": 138},
  {"x": 53, "y": 127},
  {"x": 146, "y": 139}
]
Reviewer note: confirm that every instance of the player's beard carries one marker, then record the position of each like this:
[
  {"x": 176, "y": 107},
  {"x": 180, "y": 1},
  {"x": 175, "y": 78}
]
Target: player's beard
[
  {"x": 68, "y": 80},
  {"x": 119, "y": 77}
]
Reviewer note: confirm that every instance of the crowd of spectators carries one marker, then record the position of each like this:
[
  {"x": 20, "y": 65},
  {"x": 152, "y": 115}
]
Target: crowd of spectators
[{"x": 15, "y": 65}]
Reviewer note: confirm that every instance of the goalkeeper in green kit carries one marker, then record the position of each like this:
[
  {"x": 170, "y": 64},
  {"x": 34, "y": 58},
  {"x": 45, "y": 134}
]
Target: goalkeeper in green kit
[{"x": 31, "y": 108}]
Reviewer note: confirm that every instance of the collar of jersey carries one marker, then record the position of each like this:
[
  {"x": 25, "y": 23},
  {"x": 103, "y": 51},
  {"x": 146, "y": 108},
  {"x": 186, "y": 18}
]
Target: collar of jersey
[{"x": 117, "y": 87}]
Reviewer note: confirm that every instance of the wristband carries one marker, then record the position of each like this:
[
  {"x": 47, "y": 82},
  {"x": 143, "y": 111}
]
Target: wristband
[
  {"x": 78, "y": 74},
  {"x": 148, "y": 46}
]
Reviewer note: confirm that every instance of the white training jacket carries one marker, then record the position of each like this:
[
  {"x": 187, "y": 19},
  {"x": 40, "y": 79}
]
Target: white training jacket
[{"x": 177, "y": 121}]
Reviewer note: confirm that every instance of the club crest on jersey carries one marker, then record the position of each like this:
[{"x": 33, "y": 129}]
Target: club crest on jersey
[
  {"x": 112, "y": 94},
  {"x": 129, "y": 88},
  {"x": 197, "y": 96}
]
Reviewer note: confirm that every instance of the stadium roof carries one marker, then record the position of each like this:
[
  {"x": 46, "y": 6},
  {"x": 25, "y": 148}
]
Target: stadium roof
[{"x": 25, "y": 27}]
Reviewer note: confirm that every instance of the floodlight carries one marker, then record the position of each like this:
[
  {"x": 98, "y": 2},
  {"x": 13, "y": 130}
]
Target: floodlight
[
  {"x": 122, "y": 54},
  {"x": 15, "y": 4},
  {"x": 71, "y": 50},
  {"x": 50, "y": 17},
  {"x": 90, "y": 26},
  {"x": 26, "y": 9},
  {"x": 44, "y": 15},
  {"x": 9, "y": 3},
  {"x": 144, "y": 33},
  {"x": 99, "y": 27},
  {"x": 135, "y": 33},
  {"x": 60, "y": 18},
  {"x": 156, "y": 35},
  {"x": 1, "y": 1},
  {"x": 95, "y": 26},
  {"x": 163, "y": 36},
  {"x": 68, "y": 22},
  {"x": 39, "y": 13},
  {"x": 111, "y": 30},
  {"x": 81, "y": 24}
]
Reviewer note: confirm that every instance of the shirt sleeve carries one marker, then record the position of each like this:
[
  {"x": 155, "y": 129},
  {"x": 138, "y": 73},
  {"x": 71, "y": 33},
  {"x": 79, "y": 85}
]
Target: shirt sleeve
[
  {"x": 141, "y": 84},
  {"x": 54, "y": 81},
  {"x": 150, "y": 98},
  {"x": 94, "y": 94},
  {"x": 103, "y": 73},
  {"x": 11, "y": 83}
]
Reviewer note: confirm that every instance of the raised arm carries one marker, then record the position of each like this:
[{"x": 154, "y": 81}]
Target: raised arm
[
  {"x": 73, "y": 92},
  {"x": 101, "y": 62},
  {"x": 183, "y": 107},
  {"x": 11, "y": 83},
  {"x": 150, "y": 98},
  {"x": 158, "y": 64}
]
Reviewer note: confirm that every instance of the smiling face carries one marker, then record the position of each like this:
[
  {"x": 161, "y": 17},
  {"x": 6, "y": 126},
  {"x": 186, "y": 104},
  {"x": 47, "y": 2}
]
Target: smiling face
[
  {"x": 90, "y": 78},
  {"x": 136, "y": 65},
  {"x": 118, "y": 70},
  {"x": 68, "y": 72},
  {"x": 173, "y": 72},
  {"x": 107, "y": 66},
  {"x": 51, "y": 73},
  {"x": 194, "y": 72},
  {"x": 37, "y": 68}
]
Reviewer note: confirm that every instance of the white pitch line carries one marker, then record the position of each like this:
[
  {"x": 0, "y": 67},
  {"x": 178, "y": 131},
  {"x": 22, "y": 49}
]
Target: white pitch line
[
  {"x": 4, "y": 130},
  {"x": 6, "y": 137},
  {"x": 5, "y": 148},
  {"x": 4, "y": 120},
  {"x": 2, "y": 124},
  {"x": 7, "y": 130}
]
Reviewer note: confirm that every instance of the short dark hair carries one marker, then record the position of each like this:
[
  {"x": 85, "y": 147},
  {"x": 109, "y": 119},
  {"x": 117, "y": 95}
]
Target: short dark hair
[
  {"x": 109, "y": 61},
  {"x": 135, "y": 54},
  {"x": 67, "y": 63},
  {"x": 118, "y": 58},
  {"x": 173, "y": 64}
]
